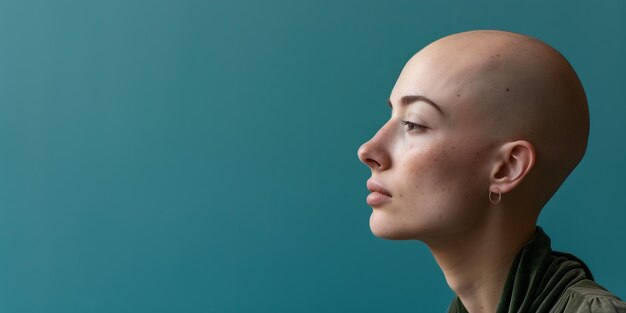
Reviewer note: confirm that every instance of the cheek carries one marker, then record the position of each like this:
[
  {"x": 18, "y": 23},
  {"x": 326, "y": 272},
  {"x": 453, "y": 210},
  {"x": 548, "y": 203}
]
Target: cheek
[
  {"x": 429, "y": 170},
  {"x": 440, "y": 181}
]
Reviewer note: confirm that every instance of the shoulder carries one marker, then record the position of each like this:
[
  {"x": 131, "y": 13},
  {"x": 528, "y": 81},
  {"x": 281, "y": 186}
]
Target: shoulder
[{"x": 586, "y": 296}]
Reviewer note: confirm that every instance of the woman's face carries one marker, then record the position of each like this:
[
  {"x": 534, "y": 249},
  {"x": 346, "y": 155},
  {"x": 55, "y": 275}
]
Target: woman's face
[{"x": 430, "y": 157}]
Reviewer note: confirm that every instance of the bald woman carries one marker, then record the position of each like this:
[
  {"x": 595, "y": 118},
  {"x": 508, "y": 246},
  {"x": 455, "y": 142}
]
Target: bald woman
[{"x": 485, "y": 127}]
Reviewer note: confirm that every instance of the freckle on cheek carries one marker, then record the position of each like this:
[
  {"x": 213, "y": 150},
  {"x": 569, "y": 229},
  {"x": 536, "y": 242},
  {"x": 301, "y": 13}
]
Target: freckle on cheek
[{"x": 417, "y": 170}]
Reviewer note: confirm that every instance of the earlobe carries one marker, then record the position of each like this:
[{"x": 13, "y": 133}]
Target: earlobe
[{"x": 517, "y": 159}]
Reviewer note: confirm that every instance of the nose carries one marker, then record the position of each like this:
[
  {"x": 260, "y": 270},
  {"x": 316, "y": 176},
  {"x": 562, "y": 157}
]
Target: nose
[{"x": 374, "y": 153}]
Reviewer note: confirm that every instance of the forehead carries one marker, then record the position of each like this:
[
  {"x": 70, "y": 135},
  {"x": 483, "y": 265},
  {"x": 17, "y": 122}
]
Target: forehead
[
  {"x": 447, "y": 78},
  {"x": 421, "y": 79}
]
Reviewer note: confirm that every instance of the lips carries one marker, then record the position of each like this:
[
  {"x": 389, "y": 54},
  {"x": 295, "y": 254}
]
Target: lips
[
  {"x": 378, "y": 195},
  {"x": 374, "y": 186}
]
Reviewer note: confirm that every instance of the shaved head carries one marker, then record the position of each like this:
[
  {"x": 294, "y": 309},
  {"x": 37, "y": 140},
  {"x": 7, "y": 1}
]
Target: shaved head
[
  {"x": 512, "y": 87},
  {"x": 475, "y": 114}
]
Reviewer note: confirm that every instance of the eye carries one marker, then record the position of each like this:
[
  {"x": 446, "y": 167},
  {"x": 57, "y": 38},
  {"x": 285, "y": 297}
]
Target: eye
[{"x": 410, "y": 126}]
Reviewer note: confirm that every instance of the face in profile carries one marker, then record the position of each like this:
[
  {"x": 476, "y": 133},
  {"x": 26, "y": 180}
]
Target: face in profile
[{"x": 429, "y": 161}]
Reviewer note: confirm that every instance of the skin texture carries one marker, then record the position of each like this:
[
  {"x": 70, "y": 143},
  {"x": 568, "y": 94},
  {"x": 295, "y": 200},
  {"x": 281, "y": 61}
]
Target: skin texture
[{"x": 513, "y": 117}]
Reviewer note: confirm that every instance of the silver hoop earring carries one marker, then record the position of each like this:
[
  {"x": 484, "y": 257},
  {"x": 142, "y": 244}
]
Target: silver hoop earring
[{"x": 491, "y": 198}]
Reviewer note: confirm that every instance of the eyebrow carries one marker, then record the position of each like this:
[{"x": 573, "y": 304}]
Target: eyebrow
[{"x": 406, "y": 100}]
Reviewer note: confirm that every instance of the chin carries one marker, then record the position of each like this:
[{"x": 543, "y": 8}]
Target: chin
[{"x": 386, "y": 229}]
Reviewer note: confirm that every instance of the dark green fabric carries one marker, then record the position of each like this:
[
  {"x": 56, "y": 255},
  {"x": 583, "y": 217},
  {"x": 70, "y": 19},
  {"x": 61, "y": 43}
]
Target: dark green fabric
[{"x": 546, "y": 281}]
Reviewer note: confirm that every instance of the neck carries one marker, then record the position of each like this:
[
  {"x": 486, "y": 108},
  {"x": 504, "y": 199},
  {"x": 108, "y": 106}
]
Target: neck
[{"x": 476, "y": 262}]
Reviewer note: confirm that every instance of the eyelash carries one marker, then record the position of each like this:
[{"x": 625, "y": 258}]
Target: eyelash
[{"x": 409, "y": 126}]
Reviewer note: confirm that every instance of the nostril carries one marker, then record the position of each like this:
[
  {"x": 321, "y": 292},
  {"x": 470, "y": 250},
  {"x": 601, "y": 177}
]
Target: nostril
[{"x": 372, "y": 163}]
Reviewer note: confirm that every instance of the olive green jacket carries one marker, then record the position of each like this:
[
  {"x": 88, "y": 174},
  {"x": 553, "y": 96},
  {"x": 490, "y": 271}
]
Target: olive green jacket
[{"x": 546, "y": 281}]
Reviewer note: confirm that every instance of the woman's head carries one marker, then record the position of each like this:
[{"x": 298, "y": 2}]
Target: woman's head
[{"x": 474, "y": 112}]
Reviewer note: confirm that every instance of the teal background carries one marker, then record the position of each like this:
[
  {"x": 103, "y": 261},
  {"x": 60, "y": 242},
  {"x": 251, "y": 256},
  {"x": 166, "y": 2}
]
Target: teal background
[{"x": 190, "y": 156}]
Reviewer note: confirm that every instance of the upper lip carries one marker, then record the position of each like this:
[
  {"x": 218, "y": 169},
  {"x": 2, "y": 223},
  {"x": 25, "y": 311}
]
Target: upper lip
[{"x": 374, "y": 186}]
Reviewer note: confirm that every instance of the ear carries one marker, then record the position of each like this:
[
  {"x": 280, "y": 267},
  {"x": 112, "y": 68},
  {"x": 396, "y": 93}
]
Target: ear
[{"x": 516, "y": 159}]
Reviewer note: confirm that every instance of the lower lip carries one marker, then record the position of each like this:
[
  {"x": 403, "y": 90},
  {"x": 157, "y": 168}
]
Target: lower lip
[{"x": 377, "y": 198}]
